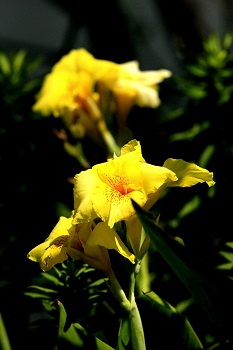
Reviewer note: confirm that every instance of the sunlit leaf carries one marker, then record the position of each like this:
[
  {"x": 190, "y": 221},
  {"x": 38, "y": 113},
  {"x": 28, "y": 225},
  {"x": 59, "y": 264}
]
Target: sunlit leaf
[
  {"x": 101, "y": 345},
  {"x": 227, "y": 255},
  {"x": 5, "y": 66},
  {"x": 19, "y": 59},
  {"x": 4, "y": 340},
  {"x": 229, "y": 244}
]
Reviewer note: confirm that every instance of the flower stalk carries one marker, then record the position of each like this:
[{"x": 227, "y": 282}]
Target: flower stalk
[{"x": 97, "y": 117}]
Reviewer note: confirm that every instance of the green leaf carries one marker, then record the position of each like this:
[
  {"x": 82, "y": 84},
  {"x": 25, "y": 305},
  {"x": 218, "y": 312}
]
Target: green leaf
[
  {"x": 210, "y": 289},
  {"x": 190, "y": 133},
  {"x": 229, "y": 244},
  {"x": 164, "y": 326},
  {"x": 131, "y": 334},
  {"x": 124, "y": 335},
  {"x": 101, "y": 345},
  {"x": 37, "y": 295},
  {"x": 43, "y": 289},
  {"x": 196, "y": 92},
  {"x": 227, "y": 255},
  {"x": 4, "y": 340},
  {"x": 5, "y": 65},
  {"x": 73, "y": 336},
  {"x": 198, "y": 71},
  {"x": 226, "y": 266},
  {"x": 52, "y": 278}
]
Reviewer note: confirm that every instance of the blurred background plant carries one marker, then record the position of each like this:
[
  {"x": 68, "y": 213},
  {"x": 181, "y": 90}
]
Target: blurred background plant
[{"x": 193, "y": 123}]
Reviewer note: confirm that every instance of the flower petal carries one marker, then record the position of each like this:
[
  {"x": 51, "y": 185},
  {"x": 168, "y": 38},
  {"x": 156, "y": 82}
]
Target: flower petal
[
  {"x": 155, "y": 176},
  {"x": 54, "y": 249},
  {"x": 107, "y": 237},
  {"x": 134, "y": 230},
  {"x": 188, "y": 174},
  {"x": 84, "y": 184},
  {"x": 119, "y": 181}
]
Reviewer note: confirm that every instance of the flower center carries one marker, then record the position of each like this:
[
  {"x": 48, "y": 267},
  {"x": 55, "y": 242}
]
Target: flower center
[{"x": 123, "y": 189}]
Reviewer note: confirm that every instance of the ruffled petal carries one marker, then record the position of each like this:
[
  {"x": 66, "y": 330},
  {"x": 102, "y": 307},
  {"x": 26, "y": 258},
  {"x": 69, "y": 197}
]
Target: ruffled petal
[{"x": 188, "y": 174}]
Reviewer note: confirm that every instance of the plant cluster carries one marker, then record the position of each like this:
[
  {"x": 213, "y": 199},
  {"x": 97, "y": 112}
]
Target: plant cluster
[{"x": 137, "y": 255}]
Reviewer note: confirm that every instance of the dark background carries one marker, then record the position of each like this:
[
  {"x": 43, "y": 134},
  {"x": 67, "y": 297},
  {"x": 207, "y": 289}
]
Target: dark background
[
  {"x": 33, "y": 166},
  {"x": 147, "y": 31}
]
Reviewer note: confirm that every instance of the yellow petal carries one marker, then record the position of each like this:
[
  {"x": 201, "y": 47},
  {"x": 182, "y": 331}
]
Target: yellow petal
[
  {"x": 155, "y": 176},
  {"x": 84, "y": 184},
  {"x": 119, "y": 181},
  {"x": 76, "y": 61},
  {"x": 107, "y": 237},
  {"x": 134, "y": 230},
  {"x": 188, "y": 174},
  {"x": 49, "y": 255},
  {"x": 133, "y": 146},
  {"x": 37, "y": 253},
  {"x": 62, "y": 90},
  {"x": 54, "y": 249}
]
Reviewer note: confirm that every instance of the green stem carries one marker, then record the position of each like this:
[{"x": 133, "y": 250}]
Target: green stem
[
  {"x": 115, "y": 287},
  {"x": 136, "y": 327}
]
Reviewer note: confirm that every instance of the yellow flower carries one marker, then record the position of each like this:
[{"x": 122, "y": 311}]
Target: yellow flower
[
  {"x": 79, "y": 72},
  {"x": 106, "y": 190},
  {"x": 87, "y": 241},
  {"x": 76, "y": 61},
  {"x": 62, "y": 90},
  {"x": 188, "y": 174},
  {"x": 141, "y": 87},
  {"x": 130, "y": 87}
]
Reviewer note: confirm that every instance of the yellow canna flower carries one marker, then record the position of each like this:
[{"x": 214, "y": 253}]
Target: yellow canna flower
[
  {"x": 61, "y": 90},
  {"x": 88, "y": 241},
  {"x": 76, "y": 61},
  {"x": 106, "y": 190},
  {"x": 80, "y": 70},
  {"x": 56, "y": 247},
  {"x": 130, "y": 87}
]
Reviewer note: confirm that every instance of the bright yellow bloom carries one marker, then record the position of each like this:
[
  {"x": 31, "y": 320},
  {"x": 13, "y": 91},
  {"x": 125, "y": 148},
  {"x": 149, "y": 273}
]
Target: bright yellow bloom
[
  {"x": 134, "y": 87},
  {"x": 87, "y": 241},
  {"x": 106, "y": 190},
  {"x": 61, "y": 91},
  {"x": 78, "y": 73}
]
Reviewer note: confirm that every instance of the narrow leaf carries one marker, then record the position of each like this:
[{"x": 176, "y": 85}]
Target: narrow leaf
[
  {"x": 73, "y": 336},
  {"x": 164, "y": 326},
  {"x": 4, "y": 340},
  {"x": 210, "y": 289}
]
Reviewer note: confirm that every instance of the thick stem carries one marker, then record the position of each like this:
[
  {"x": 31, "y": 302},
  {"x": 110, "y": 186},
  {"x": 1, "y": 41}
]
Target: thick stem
[
  {"x": 136, "y": 327},
  {"x": 117, "y": 291}
]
